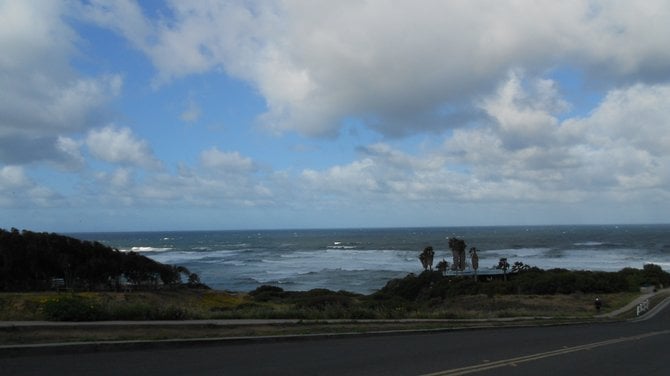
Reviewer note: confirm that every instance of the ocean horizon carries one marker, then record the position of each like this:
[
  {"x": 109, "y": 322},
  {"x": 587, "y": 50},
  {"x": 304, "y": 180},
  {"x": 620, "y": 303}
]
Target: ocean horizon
[{"x": 363, "y": 260}]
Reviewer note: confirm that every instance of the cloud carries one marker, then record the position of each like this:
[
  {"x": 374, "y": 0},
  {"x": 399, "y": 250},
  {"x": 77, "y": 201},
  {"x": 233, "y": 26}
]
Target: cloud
[
  {"x": 396, "y": 68},
  {"x": 18, "y": 190},
  {"x": 619, "y": 150},
  {"x": 525, "y": 115},
  {"x": 635, "y": 116},
  {"x": 70, "y": 149},
  {"x": 13, "y": 177},
  {"x": 119, "y": 145},
  {"x": 524, "y": 154},
  {"x": 214, "y": 159},
  {"x": 382, "y": 174},
  {"x": 201, "y": 189},
  {"x": 61, "y": 152},
  {"x": 628, "y": 134},
  {"x": 42, "y": 97},
  {"x": 33, "y": 106},
  {"x": 219, "y": 180},
  {"x": 121, "y": 178},
  {"x": 469, "y": 79},
  {"x": 595, "y": 158}
]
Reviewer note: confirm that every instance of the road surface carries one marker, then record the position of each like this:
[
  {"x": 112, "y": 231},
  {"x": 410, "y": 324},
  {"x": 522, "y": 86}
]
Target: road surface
[{"x": 640, "y": 348}]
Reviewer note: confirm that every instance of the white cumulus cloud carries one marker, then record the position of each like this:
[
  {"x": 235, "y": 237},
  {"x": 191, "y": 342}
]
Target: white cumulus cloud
[
  {"x": 396, "y": 66},
  {"x": 19, "y": 190},
  {"x": 226, "y": 162},
  {"x": 42, "y": 96},
  {"x": 119, "y": 145},
  {"x": 619, "y": 149}
]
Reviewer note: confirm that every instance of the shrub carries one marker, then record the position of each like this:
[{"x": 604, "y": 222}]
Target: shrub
[
  {"x": 654, "y": 275},
  {"x": 321, "y": 302},
  {"x": 411, "y": 287},
  {"x": 72, "y": 308},
  {"x": 266, "y": 293},
  {"x": 143, "y": 311}
]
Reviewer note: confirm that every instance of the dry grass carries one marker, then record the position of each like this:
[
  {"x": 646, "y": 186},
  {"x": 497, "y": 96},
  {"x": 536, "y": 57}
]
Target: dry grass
[
  {"x": 209, "y": 304},
  {"x": 214, "y": 304},
  {"x": 574, "y": 305}
]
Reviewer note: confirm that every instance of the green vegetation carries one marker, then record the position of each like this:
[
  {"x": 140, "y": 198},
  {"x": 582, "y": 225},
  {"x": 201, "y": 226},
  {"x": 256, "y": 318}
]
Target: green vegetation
[
  {"x": 186, "y": 304},
  {"x": 426, "y": 258},
  {"x": 529, "y": 281},
  {"x": 32, "y": 261}
]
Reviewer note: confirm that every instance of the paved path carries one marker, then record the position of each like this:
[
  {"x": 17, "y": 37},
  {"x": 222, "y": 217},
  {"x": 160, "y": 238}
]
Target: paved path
[{"x": 633, "y": 304}]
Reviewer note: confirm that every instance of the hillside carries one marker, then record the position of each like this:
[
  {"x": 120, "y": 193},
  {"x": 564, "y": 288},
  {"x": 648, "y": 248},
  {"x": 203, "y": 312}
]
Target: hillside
[{"x": 31, "y": 261}]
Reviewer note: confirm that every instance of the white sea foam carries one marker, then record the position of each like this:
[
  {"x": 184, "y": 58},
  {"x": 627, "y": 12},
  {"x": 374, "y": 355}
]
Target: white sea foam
[
  {"x": 178, "y": 257},
  {"x": 346, "y": 259},
  {"x": 230, "y": 262},
  {"x": 268, "y": 266},
  {"x": 586, "y": 259},
  {"x": 589, "y": 244},
  {"x": 575, "y": 259},
  {"x": 146, "y": 249},
  {"x": 516, "y": 253}
]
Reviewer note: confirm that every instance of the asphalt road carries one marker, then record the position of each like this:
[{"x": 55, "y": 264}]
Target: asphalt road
[{"x": 625, "y": 348}]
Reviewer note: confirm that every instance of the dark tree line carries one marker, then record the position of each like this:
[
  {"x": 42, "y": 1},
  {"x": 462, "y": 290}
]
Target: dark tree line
[{"x": 33, "y": 261}]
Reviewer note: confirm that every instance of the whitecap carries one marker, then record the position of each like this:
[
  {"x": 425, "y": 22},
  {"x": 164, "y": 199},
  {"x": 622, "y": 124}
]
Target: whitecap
[
  {"x": 589, "y": 244},
  {"x": 146, "y": 249}
]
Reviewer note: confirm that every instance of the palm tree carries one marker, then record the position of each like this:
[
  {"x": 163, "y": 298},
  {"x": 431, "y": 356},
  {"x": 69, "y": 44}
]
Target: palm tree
[
  {"x": 504, "y": 265},
  {"x": 457, "y": 247},
  {"x": 426, "y": 258},
  {"x": 442, "y": 266},
  {"x": 474, "y": 260}
]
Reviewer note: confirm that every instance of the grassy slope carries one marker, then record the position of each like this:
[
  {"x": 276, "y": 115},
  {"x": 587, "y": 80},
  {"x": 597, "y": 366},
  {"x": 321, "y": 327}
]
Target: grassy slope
[
  {"x": 210, "y": 304},
  {"x": 203, "y": 304}
]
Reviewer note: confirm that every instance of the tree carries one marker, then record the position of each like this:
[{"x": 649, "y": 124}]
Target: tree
[
  {"x": 184, "y": 270},
  {"x": 193, "y": 280},
  {"x": 519, "y": 266},
  {"x": 442, "y": 266},
  {"x": 426, "y": 258},
  {"x": 457, "y": 247},
  {"x": 32, "y": 261},
  {"x": 504, "y": 265},
  {"x": 654, "y": 275},
  {"x": 474, "y": 258}
]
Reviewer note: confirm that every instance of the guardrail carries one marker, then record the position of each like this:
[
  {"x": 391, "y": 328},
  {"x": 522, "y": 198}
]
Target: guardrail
[{"x": 643, "y": 307}]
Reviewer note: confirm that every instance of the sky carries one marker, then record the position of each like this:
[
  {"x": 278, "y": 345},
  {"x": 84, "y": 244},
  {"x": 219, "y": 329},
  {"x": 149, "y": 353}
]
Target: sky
[{"x": 206, "y": 115}]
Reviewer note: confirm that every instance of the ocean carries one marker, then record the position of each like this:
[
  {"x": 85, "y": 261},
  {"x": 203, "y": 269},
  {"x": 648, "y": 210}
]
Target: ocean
[{"x": 363, "y": 260}]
